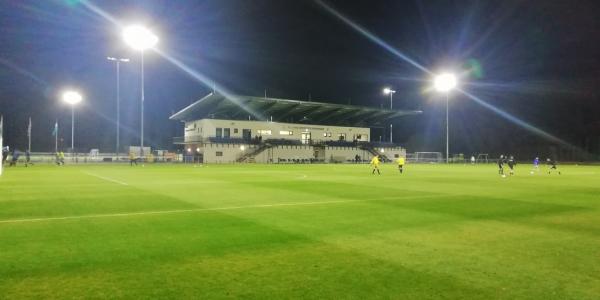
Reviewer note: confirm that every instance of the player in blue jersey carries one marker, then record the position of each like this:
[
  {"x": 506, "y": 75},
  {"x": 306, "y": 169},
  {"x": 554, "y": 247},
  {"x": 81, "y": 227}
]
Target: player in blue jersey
[{"x": 536, "y": 164}]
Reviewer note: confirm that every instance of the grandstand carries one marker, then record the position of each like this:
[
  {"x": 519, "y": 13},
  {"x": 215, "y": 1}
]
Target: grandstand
[{"x": 221, "y": 129}]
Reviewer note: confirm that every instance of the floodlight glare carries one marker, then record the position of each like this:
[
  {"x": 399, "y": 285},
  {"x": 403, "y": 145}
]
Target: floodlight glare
[
  {"x": 444, "y": 82},
  {"x": 71, "y": 97},
  {"x": 139, "y": 37},
  {"x": 242, "y": 147},
  {"x": 388, "y": 91}
]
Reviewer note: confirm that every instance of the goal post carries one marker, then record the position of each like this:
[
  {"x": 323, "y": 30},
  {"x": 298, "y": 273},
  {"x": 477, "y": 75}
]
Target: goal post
[
  {"x": 482, "y": 158},
  {"x": 425, "y": 157}
]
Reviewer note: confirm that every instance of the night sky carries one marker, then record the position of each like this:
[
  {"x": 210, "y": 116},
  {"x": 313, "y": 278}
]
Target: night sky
[{"x": 538, "y": 61}]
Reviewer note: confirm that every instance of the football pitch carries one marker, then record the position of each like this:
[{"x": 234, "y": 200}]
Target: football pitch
[{"x": 299, "y": 231}]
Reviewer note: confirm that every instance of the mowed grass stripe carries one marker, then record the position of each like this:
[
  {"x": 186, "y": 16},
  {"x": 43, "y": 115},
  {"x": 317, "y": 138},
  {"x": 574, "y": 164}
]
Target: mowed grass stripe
[{"x": 175, "y": 211}]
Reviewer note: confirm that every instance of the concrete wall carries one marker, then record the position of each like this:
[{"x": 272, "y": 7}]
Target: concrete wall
[
  {"x": 229, "y": 153},
  {"x": 285, "y": 152},
  {"x": 205, "y": 128},
  {"x": 343, "y": 154}
]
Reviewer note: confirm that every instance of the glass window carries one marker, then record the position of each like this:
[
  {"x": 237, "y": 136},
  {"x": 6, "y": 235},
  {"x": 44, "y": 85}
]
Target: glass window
[
  {"x": 342, "y": 137},
  {"x": 286, "y": 132},
  {"x": 219, "y": 153},
  {"x": 235, "y": 130},
  {"x": 264, "y": 132},
  {"x": 226, "y": 133},
  {"x": 219, "y": 132},
  {"x": 246, "y": 134}
]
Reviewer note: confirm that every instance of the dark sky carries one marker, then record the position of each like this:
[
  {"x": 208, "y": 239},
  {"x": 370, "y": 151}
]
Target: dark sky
[{"x": 539, "y": 62}]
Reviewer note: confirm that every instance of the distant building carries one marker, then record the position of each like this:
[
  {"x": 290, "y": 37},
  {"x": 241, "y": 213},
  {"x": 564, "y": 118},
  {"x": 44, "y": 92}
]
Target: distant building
[{"x": 220, "y": 129}]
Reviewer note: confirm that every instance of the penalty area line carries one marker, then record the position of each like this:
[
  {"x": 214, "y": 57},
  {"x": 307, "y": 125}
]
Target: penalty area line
[
  {"x": 106, "y": 178},
  {"x": 175, "y": 211}
]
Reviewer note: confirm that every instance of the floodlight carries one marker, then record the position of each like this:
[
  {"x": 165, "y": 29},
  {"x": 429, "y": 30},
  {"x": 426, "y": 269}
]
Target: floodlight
[
  {"x": 242, "y": 147},
  {"x": 117, "y": 59},
  {"x": 71, "y": 97},
  {"x": 381, "y": 150},
  {"x": 198, "y": 149},
  {"x": 139, "y": 37},
  {"x": 444, "y": 82},
  {"x": 388, "y": 91},
  {"x": 189, "y": 150}
]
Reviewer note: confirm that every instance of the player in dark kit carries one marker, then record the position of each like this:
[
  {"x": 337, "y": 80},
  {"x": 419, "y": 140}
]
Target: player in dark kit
[
  {"x": 552, "y": 165},
  {"x": 15, "y": 158},
  {"x": 511, "y": 164},
  {"x": 28, "y": 158},
  {"x": 5, "y": 151}
]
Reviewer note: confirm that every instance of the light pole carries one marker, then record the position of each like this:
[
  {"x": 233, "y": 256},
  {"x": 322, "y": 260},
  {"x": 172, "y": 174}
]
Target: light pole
[
  {"x": 72, "y": 98},
  {"x": 140, "y": 38},
  {"x": 388, "y": 91},
  {"x": 444, "y": 83},
  {"x": 118, "y": 62}
]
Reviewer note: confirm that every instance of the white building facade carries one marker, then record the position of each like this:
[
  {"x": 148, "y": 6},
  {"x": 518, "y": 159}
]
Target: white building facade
[{"x": 214, "y": 131}]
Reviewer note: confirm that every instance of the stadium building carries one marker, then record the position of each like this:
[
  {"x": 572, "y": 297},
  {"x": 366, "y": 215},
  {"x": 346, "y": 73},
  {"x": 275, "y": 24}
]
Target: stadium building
[{"x": 227, "y": 129}]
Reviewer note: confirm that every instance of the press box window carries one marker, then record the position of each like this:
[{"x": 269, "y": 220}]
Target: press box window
[
  {"x": 264, "y": 132},
  {"x": 286, "y": 132},
  {"x": 219, "y": 132},
  {"x": 219, "y": 153}
]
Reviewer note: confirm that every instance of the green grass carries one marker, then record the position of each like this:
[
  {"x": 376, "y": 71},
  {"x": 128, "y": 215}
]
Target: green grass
[{"x": 298, "y": 231}]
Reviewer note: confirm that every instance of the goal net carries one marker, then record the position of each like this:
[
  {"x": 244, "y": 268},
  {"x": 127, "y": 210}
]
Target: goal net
[
  {"x": 482, "y": 158},
  {"x": 426, "y": 157}
]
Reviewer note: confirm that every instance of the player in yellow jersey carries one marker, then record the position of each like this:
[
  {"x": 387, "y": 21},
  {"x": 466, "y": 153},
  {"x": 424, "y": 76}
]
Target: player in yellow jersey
[
  {"x": 401, "y": 162},
  {"x": 375, "y": 164},
  {"x": 132, "y": 159}
]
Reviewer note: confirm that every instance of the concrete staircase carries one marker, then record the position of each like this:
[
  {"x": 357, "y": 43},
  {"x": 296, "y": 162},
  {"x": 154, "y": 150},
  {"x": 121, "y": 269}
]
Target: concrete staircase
[{"x": 249, "y": 157}]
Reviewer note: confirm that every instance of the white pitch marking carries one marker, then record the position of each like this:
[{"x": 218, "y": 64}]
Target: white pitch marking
[
  {"x": 160, "y": 212},
  {"x": 106, "y": 178}
]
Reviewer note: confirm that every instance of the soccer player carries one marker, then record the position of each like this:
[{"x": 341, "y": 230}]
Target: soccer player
[
  {"x": 401, "y": 164},
  {"x": 375, "y": 164},
  {"x": 61, "y": 158},
  {"x": 5, "y": 151},
  {"x": 511, "y": 165},
  {"x": 552, "y": 165},
  {"x": 28, "y": 158},
  {"x": 536, "y": 164},
  {"x": 501, "y": 165},
  {"x": 15, "y": 158},
  {"x": 132, "y": 159}
]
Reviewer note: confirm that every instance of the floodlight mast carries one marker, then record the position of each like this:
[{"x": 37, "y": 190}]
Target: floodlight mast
[
  {"x": 389, "y": 91},
  {"x": 118, "y": 62},
  {"x": 444, "y": 83},
  {"x": 72, "y": 98},
  {"x": 140, "y": 38}
]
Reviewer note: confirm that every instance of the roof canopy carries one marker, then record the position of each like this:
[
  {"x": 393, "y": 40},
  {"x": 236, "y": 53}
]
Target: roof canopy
[{"x": 217, "y": 106}]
